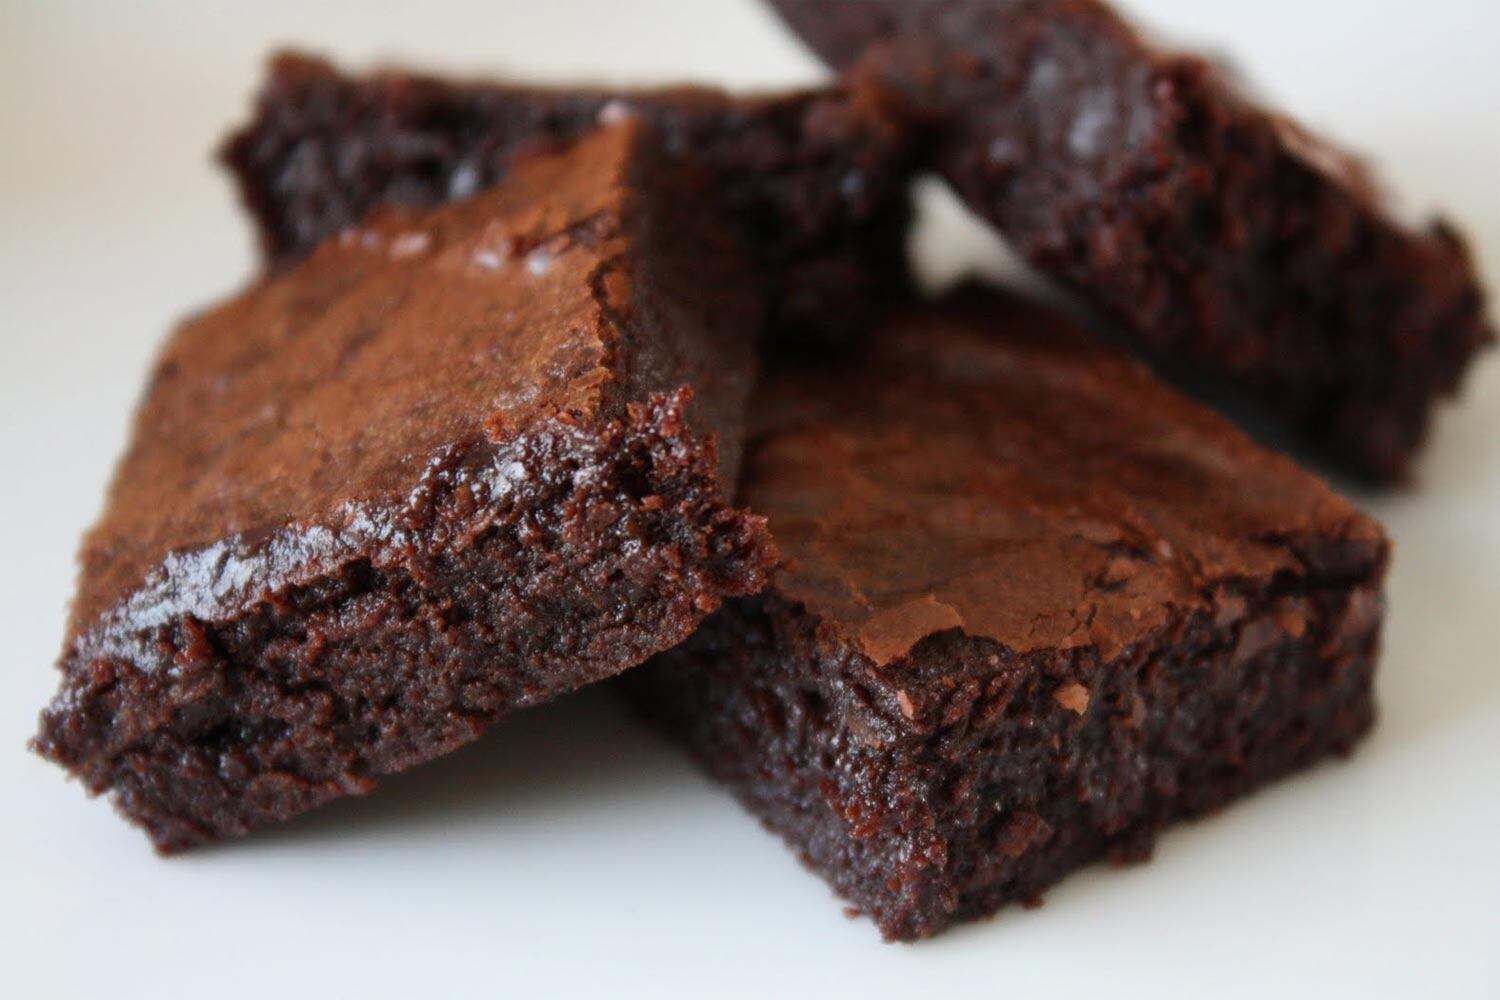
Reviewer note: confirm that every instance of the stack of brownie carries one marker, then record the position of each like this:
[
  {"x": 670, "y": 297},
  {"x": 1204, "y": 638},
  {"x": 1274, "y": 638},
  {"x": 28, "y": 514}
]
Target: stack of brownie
[{"x": 545, "y": 386}]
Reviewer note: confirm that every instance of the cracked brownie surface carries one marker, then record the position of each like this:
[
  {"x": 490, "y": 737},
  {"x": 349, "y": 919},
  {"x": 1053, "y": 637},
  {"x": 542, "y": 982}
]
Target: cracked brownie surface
[
  {"x": 454, "y": 463},
  {"x": 1035, "y": 605}
]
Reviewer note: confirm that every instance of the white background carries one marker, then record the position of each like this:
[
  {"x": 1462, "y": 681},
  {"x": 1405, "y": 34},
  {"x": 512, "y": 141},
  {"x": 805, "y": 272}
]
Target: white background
[{"x": 571, "y": 853}]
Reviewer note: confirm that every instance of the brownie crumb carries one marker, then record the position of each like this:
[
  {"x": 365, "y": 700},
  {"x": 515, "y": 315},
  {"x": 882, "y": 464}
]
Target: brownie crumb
[
  {"x": 1228, "y": 240},
  {"x": 374, "y": 503},
  {"x": 947, "y": 700}
]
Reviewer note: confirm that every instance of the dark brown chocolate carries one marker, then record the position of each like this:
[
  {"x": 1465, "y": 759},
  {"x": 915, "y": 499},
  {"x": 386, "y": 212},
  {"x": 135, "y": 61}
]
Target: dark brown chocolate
[
  {"x": 1035, "y": 606},
  {"x": 1222, "y": 236},
  {"x": 454, "y": 463}
]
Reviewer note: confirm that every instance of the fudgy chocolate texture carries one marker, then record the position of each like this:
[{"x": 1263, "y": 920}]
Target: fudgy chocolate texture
[
  {"x": 1035, "y": 606},
  {"x": 817, "y": 180},
  {"x": 1216, "y": 232},
  {"x": 445, "y": 467}
]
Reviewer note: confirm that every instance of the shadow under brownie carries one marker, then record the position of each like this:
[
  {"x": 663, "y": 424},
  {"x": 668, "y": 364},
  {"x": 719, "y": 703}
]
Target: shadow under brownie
[
  {"x": 454, "y": 463},
  {"x": 1217, "y": 233},
  {"x": 1035, "y": 606}
]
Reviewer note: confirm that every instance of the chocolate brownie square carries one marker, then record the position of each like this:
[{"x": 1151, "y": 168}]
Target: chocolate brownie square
[
  {"x": 817, "y": 179},
  {"x": 1035, "y": 607},
  {"x": 456, "y": 462},
  {"x": 1217, "y": 232}
]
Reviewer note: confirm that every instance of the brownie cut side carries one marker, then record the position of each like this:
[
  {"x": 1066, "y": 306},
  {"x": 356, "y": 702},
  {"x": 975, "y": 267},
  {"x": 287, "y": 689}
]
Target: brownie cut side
[
  {"x": 817, "y": 180},
  {"x": 1035, "y": 606},
  {"x": 1223, "y": 236},
  {"x": 454, "y": 463}
]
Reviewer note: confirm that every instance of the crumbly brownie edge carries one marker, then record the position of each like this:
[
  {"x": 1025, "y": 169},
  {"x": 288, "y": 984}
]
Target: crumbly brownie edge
[
  {"x": 559, "y": 557},
  {"x": 1220, "y": 234},
  {"x": 1217, "y": 244},
  {"x": 997, "y": 775}
]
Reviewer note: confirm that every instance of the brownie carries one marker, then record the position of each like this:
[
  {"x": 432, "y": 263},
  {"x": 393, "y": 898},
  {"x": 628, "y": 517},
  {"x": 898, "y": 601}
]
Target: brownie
[
  {"x": 1223, "y": 236},
  {"x": 818, "y": 179},
  {"x": 1035, "y": 607},
  {"x": 456, "y": 462}
]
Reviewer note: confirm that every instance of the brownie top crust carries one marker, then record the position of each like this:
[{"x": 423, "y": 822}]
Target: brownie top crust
[
  {"x": 987, "y": 468},
  {"x": 289, "y": 428}
]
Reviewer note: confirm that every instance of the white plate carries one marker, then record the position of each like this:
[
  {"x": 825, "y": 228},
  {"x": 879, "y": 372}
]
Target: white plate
[{"x": 571, "y": 853}]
